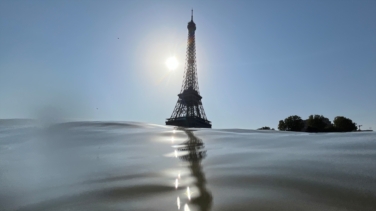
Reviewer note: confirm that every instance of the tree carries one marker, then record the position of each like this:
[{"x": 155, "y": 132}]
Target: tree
[
  {"x": 291, "y": 123},
  {"x": 264, "y": 128},
  {"x": 281, "y": 125},
  {"x": 317, "y": 123},
  {"x": 343, "y": 124}
]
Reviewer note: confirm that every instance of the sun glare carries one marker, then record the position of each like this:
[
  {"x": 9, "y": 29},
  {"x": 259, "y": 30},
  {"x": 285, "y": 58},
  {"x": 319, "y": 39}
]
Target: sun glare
[{"x": 172, "y": 63}]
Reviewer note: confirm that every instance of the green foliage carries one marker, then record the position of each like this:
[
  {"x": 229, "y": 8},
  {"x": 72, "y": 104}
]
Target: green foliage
[
  {"x": 291, "y": 123},
  {"x": 264, "y": 128},
  {"x": 343, "y": 124},
  {"x": 281, "y": 125},
  {"x": 318, "y": 123},
  {"x": 330, "y": 128}
]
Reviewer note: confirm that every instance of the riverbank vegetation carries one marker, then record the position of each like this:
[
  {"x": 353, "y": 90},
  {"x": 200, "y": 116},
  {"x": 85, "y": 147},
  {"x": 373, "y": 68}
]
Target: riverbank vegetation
[{"x": 317, "y": 123}]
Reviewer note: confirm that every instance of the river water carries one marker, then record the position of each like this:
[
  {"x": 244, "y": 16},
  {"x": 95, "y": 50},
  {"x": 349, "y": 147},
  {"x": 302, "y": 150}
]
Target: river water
[{"x": 137, "y": 166}]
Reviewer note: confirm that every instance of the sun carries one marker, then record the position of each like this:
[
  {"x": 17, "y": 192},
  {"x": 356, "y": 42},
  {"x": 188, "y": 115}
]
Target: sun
[{"x": 172, "y": 63}]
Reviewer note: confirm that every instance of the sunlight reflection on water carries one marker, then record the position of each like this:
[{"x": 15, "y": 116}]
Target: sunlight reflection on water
[
  {"x": 188, "y": 194},
  {"x": 193, "y": 152},
  {"x": 186, "y": 207}
]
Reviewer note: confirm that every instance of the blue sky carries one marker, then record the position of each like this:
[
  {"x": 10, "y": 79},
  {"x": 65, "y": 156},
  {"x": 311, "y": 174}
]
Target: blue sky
[{"x": 258, "y": 61}]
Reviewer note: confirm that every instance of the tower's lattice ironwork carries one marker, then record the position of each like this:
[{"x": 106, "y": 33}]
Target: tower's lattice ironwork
[{"x": 189, "y": 111}]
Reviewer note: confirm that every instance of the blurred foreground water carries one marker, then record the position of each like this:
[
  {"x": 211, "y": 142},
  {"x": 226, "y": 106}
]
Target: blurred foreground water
[{"x": 137, "y": 166}]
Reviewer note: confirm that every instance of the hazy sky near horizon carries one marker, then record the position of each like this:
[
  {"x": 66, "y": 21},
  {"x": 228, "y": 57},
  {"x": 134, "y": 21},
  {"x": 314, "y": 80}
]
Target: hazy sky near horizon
[{"x": 258, "y": 61}]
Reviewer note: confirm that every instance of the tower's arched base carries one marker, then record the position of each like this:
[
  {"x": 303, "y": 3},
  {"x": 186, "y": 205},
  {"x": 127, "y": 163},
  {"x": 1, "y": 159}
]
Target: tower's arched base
[{"x": 189, "y": 122}]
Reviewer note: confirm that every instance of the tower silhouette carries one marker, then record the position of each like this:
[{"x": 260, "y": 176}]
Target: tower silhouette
[{"x": 189, "y": 111}]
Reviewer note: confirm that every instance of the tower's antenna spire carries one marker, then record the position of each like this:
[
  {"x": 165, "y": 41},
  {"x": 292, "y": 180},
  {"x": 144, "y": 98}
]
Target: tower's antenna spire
[{"x": 192, "y": 15}]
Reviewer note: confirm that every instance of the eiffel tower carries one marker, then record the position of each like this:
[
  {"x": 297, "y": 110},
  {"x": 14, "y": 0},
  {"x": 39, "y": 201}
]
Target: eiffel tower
[{"x": 189, "y": 111}]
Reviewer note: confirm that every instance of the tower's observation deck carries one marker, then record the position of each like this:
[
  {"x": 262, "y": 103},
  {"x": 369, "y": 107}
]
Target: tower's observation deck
[{"x": 189, "y": 111}]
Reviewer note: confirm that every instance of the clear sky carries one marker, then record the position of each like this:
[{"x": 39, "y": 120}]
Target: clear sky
[{"x": 258, "y": 61}]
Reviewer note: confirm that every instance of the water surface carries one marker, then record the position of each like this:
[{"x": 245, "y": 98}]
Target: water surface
[{"x": 138, "y": 166}]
